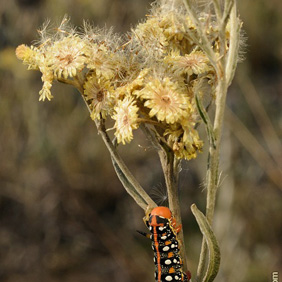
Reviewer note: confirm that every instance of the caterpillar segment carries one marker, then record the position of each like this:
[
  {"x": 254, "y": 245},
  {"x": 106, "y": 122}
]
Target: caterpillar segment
[{"x": 163, "y": 233}]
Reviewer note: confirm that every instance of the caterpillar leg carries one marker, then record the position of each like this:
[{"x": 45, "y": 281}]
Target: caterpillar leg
[
  {"x": 189, "y": 275},
  {"x": 147, "y": 235},
  {"x": 176, "y": 228}
]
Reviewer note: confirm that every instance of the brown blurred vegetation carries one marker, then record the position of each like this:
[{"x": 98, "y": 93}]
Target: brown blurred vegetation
[{"x": 64, "y": 216}]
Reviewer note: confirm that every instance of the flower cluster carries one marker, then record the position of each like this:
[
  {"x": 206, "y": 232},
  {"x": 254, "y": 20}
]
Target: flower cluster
[{"x": 152, "y": 77}]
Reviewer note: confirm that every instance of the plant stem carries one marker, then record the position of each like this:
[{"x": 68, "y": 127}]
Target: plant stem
[
  {"x": 225, "y": 71},
  {"x": 116, "y": 157},
  {"x": 132, "y": 186},
  {"x": 170, "y": 168},
  {"x": 212, "y": 172}
]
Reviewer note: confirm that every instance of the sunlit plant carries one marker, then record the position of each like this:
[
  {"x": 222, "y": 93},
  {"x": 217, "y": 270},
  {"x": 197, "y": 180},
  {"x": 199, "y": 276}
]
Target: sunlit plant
[{"x": 162, "y": 77}]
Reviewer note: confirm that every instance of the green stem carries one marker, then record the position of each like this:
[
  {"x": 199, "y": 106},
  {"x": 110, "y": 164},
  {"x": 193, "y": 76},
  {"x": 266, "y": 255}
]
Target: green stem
[
  {"x": 225, "y": 69},
  {"x": 213, "y": 163}
]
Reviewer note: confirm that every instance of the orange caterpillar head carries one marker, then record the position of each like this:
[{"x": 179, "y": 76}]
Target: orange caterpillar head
[
  {"x": 160, "y": 216},
  {"x": 162, "y": 211}
]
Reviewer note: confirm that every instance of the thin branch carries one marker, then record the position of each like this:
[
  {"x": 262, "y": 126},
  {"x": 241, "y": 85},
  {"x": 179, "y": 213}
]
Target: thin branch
[
  {"x": 227, "y": 9},
  {"x": 226, "y": 70},
  {"x": 128, "y": 187},
  {"x": 171, "y": 171},
  {"x": 151, "y": 137},
  {"x": 204, "y": 44},
  {"x": 149, "y": 121},
  {"x": 170, "y": 166},
  {"x": 212, "y": 172},
  {"x": 132, "y": 185},
  {"x": 118, "y": 160},
  {"x": 74, "y": 82},
  {"x": 217, "y": 8}
]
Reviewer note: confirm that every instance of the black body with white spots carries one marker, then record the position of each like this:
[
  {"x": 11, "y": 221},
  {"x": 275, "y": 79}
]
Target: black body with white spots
[{"x": 168, "y": 263}]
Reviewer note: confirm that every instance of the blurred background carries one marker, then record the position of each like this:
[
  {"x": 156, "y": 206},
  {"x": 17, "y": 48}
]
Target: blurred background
[{"x": 64, "y": 216}]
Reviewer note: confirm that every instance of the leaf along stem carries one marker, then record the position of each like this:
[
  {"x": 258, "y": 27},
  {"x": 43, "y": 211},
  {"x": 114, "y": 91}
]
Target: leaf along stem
[
  {"x": 214, "y": 252},
  {"x": 134, "y": 184},
  {"x": 129, "y": 182}
]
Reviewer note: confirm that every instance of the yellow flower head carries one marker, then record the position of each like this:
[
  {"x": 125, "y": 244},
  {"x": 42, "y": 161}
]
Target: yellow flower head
[
  {"x": 191, "y": 138},
  {"x": 97, "y": 92},
  {"x": 150, "y": 36},
  {"x": 167, "y": 100},
  {"x": 184, "y": 140},
  {"x": 67, "y": 56},
  {"x": 133, "y": 85},
  {"x": 194, "y": 63},
  {"x": 103, "y": 61},
  {"x": 126, "y": 119}
]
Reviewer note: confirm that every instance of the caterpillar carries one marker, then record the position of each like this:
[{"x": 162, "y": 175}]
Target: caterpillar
[{"x": 168, "y": 263}]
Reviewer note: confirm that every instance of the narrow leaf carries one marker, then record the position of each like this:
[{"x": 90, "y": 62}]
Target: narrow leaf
[
  {"x": 206, "y": 120},
  {"x": 214, "y": 252},
  {"x": 131, "y": 190}
]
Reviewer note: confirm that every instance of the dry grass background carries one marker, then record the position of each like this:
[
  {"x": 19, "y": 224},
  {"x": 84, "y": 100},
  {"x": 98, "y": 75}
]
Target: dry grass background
[{"x": 64, "y": 216}]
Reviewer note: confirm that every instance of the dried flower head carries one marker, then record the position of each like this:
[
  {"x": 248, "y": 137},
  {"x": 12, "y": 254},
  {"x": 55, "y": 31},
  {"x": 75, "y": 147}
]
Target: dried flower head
[
  {"x": 126, "y": 118},
  {"x": 167, "y": 100},
  {"x": 104, "y": 62},
  {"x": 155, "y": 72},
  {"x": 68, "y": 56},
  {"x": 150, "y": 39},
  {"x": 194, "y": 63},
  {"x": 184, "y": 140},
  {"x": 133, "y": 85},
  {"x": 98, "y": 94}
]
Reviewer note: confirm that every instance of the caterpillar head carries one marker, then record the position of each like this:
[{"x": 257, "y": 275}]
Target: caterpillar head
[{"x": 160, "y": 216}]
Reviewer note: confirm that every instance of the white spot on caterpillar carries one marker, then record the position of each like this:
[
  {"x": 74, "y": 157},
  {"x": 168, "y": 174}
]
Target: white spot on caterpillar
[
  {"x": 168, "y": 278},
  {"x": 168, "y": 261},
  {"x": 166, "y": 248}
]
